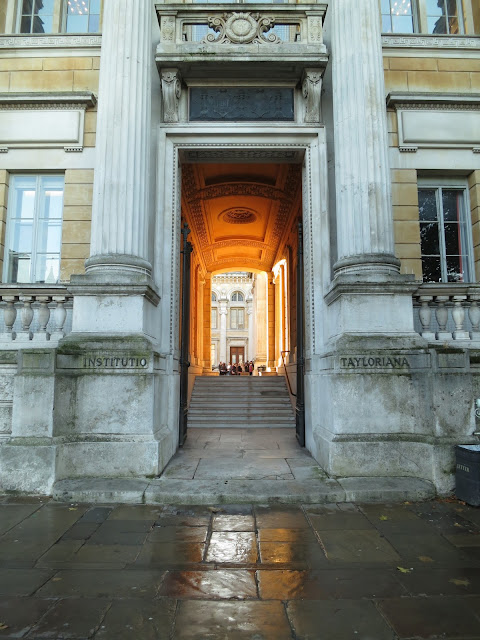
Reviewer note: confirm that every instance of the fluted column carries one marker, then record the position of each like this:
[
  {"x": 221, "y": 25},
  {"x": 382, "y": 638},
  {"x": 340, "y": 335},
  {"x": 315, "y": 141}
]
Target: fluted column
[
  {"x": 363, "y": 192},
  {"x": 121, "y": 190},
  {"x": 222, "y": 310}
]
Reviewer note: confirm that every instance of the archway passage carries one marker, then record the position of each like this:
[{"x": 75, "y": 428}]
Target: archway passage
[{"x": 244, "y": 229}]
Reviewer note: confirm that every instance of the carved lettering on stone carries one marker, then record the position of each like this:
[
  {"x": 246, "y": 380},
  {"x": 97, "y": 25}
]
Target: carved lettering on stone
[
  {"x": 171, "y": 91},
  {"x": 312, "y": 92}
]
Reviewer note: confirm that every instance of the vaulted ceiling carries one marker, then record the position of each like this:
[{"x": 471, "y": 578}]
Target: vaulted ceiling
[{"x": 240, "y": 214}]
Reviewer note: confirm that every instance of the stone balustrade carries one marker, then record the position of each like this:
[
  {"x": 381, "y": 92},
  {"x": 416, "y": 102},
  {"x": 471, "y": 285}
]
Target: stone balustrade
[
  {"x": 446, "y": 312},
  {"x": 34, "y": 314}
]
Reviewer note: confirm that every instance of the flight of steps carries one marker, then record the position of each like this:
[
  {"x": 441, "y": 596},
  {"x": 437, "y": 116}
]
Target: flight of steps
[{"x": 240, "y": 402}]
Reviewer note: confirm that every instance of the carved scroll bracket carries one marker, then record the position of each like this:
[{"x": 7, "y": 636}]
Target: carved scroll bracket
[
  {"x": 312, "y": 92},
  {"x": 241, "y": 28},
  {"x": 171, "y": 92}
]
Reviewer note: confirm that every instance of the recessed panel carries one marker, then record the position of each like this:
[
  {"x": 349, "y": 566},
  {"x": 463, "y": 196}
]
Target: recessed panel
[{"x": 241, "y": 104}]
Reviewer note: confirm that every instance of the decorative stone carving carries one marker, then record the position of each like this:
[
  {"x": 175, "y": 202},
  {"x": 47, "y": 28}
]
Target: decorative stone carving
[
  {"x": 238, "y": 216},
  {"x": 315, "y": 30},
  {"x": 312, "y": 91},
  {"x": 241, "y": 28},
  {"x": 168, "y": 28},
  {"x": 171, "y": 92}
]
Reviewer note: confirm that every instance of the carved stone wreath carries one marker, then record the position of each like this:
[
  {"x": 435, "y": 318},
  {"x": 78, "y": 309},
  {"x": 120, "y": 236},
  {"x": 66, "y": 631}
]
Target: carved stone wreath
[
  {"x": 241, "y": 28},
  {"x": 238, "y": 216}
]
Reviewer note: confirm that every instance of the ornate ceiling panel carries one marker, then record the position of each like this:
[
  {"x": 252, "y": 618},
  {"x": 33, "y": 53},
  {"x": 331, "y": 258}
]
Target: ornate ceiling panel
[{"x": 239, "y": 213}]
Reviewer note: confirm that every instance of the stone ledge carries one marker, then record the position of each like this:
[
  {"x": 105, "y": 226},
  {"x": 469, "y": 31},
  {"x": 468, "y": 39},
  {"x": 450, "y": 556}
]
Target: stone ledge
[{"x": 101, "y": 490}]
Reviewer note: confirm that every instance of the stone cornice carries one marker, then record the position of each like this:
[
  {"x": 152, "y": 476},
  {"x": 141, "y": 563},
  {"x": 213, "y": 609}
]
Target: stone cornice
[
  {"x": 427, "y": 41},
  {"x": 443, "y": 101},
  {"x": 48, "y": 100},
  {"x": 50, "y": 41}
]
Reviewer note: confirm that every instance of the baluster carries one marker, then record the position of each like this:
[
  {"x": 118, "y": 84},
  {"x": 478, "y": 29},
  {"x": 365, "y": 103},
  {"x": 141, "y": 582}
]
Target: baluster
[
  {"x": 425, "y": 315},
  {"x": 43, "y": 318},
  {"x": 60, "y": 315},
  {"x": 9, "y": 317},
  {"x": 441, "y": 313},
  {"x": 26, "y": 317},
  {"x": 458, "y": 315},
  {"x": 474, "y": 315}
]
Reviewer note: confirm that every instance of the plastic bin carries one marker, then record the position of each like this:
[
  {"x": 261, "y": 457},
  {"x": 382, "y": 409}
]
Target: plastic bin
[{"x": 467, "y": 475}]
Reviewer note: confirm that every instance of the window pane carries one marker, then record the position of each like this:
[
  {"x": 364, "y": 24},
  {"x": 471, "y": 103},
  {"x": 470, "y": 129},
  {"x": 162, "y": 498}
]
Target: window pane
[
  {"x": 44, "y": 7},
  {"x": 386, "y": 24},
  {"x": 427, "y": 202},
  {"x": 42, "y": 25},
  {"x": 49, "y": 236},
  {"x": 385, "y": 6},
  {"x": 25, "y": 203},
  {"x": 26, "y": 24},
  {"x": 402, "y": 24},
  {"x": 436, "y": 7},
  {"x": 452, "y": 238},
  {"x": 454, "y": 269},
  {"x": 47, "y": 268},
  {"x": 429, "y": 238},
  {"x": 52, "y": 204},
  {"x": 94, "y": 7},
  {"x": 19, "y": 267},
  {"x": 22, "y": 236},
  {"x": 27, "y": 7},
  {"x": 77, "y": 24},
  {"x": 452, "y": 202},
  {"x": 431, "y": 269},
  {"x": 94, "y": 24}
]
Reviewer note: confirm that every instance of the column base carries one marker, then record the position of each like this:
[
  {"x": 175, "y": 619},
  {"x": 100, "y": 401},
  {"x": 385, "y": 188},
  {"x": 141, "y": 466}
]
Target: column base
[
  {"x": 118, "y": 264},
  {"x": 373, "y": 266}
]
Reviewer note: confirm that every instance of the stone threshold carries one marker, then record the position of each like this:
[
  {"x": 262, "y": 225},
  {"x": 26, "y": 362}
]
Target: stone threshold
[{"x": 241, "y": 491}]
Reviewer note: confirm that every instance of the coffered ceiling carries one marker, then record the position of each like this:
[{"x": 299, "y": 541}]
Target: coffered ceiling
[{"x": 240, "y": 214}]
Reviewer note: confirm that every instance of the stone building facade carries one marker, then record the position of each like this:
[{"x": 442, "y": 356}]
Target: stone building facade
[{"x": 339, "y": 138}]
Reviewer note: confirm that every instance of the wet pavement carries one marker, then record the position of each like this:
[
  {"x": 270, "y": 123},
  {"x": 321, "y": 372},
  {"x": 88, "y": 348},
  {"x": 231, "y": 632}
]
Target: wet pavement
[{"x": 317, "y": 572}]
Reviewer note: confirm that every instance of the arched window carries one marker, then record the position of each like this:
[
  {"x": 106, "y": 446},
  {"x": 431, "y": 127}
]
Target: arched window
[
  {"x": 237, "y": 296},
  {"x": 214, "y": 297}
]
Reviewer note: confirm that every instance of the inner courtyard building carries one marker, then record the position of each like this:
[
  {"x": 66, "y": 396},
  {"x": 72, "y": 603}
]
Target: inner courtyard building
[{"x": 189, "y": 184}]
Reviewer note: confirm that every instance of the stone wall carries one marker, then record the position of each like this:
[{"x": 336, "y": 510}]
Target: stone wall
[
  {"x": 453, "y": 75},
  {"x": 405, "y": 220},
  {"x": 77, "y": 215}
]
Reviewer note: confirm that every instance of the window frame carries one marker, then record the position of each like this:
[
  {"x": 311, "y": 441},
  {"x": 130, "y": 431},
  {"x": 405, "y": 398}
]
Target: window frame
[
  {"x": 460, "y": 184},
  {"x": 240, "y": 296},
  {"x": 19, "y": 14},
  {"x": 415, "y": 19},
  {"x": 65, "y": 20},
  {"x": 243, "y": 325},
  {"x": 461, "y": 20},
  {"x": 11, "y": 207},
  {"x": 214, "y": 314}
]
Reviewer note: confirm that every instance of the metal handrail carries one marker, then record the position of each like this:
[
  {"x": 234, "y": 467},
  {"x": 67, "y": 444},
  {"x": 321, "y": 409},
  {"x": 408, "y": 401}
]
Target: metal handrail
[{"x": 286, "y": 373}]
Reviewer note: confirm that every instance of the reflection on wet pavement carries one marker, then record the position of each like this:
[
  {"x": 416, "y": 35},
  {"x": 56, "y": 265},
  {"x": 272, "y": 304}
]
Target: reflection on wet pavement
[{"x": 372, "y": 572}]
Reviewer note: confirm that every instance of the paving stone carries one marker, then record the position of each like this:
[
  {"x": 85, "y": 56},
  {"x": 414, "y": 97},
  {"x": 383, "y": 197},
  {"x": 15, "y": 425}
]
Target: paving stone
[
  {"x": 412, "y": 548},
  {"x": 430, "y": 617},
  {"x": 62, "y": 551},
  {"x": 284, "y": 552},
  {"x": 225, "y": 469},
  {"x": 22, "y": 582},
  {"x": 134, "y": 512},
  {"x": 138, "y": 620},
  {"x": 18, "y": 615},
  {"x": 285, "y": 518},
  {"x": 329, "y": 583},
  {"x": 171, "y": 553},
  {"x": 81, "y": 531},
  {"x": 232, "y": 547},
  {"x": 340, "y": 521},
  {"x": 78, "y": 618},
  {"x": 433, "y": 582},
  {"x": 103, "y": 584},
  {"x": 187, "y": 516},
  {"x": 232, "y": 620},
  {"x": 13, "y": 514},
  {"x": 363, "y": 546},
  {"x": 339, "y": 620},
  {"x": 226, "y": 584},
  {"x": 96, "y": 514},
  {"x": 233, "y": 523},
  {"x": 182, "y": 466},
  {"x": 172, "y": 534},
  {"x": 105, "y": 554},
  {"x": 293, "y": 536},
  {"x": 464, "y": 539}
]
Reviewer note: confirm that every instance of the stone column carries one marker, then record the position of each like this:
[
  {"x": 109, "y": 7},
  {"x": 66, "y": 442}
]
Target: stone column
[
  {"x": 222, "y": 311},
  {"x": 261, "y": 318},
  {"x": 362, "y": 177},
  {"x": 120, "y": 215}
]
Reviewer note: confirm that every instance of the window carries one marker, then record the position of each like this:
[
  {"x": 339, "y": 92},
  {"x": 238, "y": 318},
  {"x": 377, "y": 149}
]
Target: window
[
  {"x": 214, "y": 297},
  {"x": 237, "y": 296},
  {"x": 36, "y": 16},
  {"x": 82, "y": 16},
  {"x": 444, "y": 16},
  {"x": 237, "y": 319},
  {"x": 34, "y": 229},
  {"x": 214, "y": 319},
  {"x": 445, "y": 233},
  {"x": 397, "y": 16}
]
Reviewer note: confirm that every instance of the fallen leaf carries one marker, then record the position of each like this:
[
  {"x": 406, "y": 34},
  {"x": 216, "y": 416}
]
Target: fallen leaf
[
  {"x": 460, "y": 583},
  {"x": 407, "y": 502},
  {"x": 56, "y": 579},
  {"x": 425, "y": 559},
  {"x": 73, "y": 509},
  {"x": 215, "y": 509},
  {"x": 403, "y": 570},
  {"x": 3, "y": 626},
  {"x": 457, "y": 524},
  {"x": 383, "y": 518}
]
